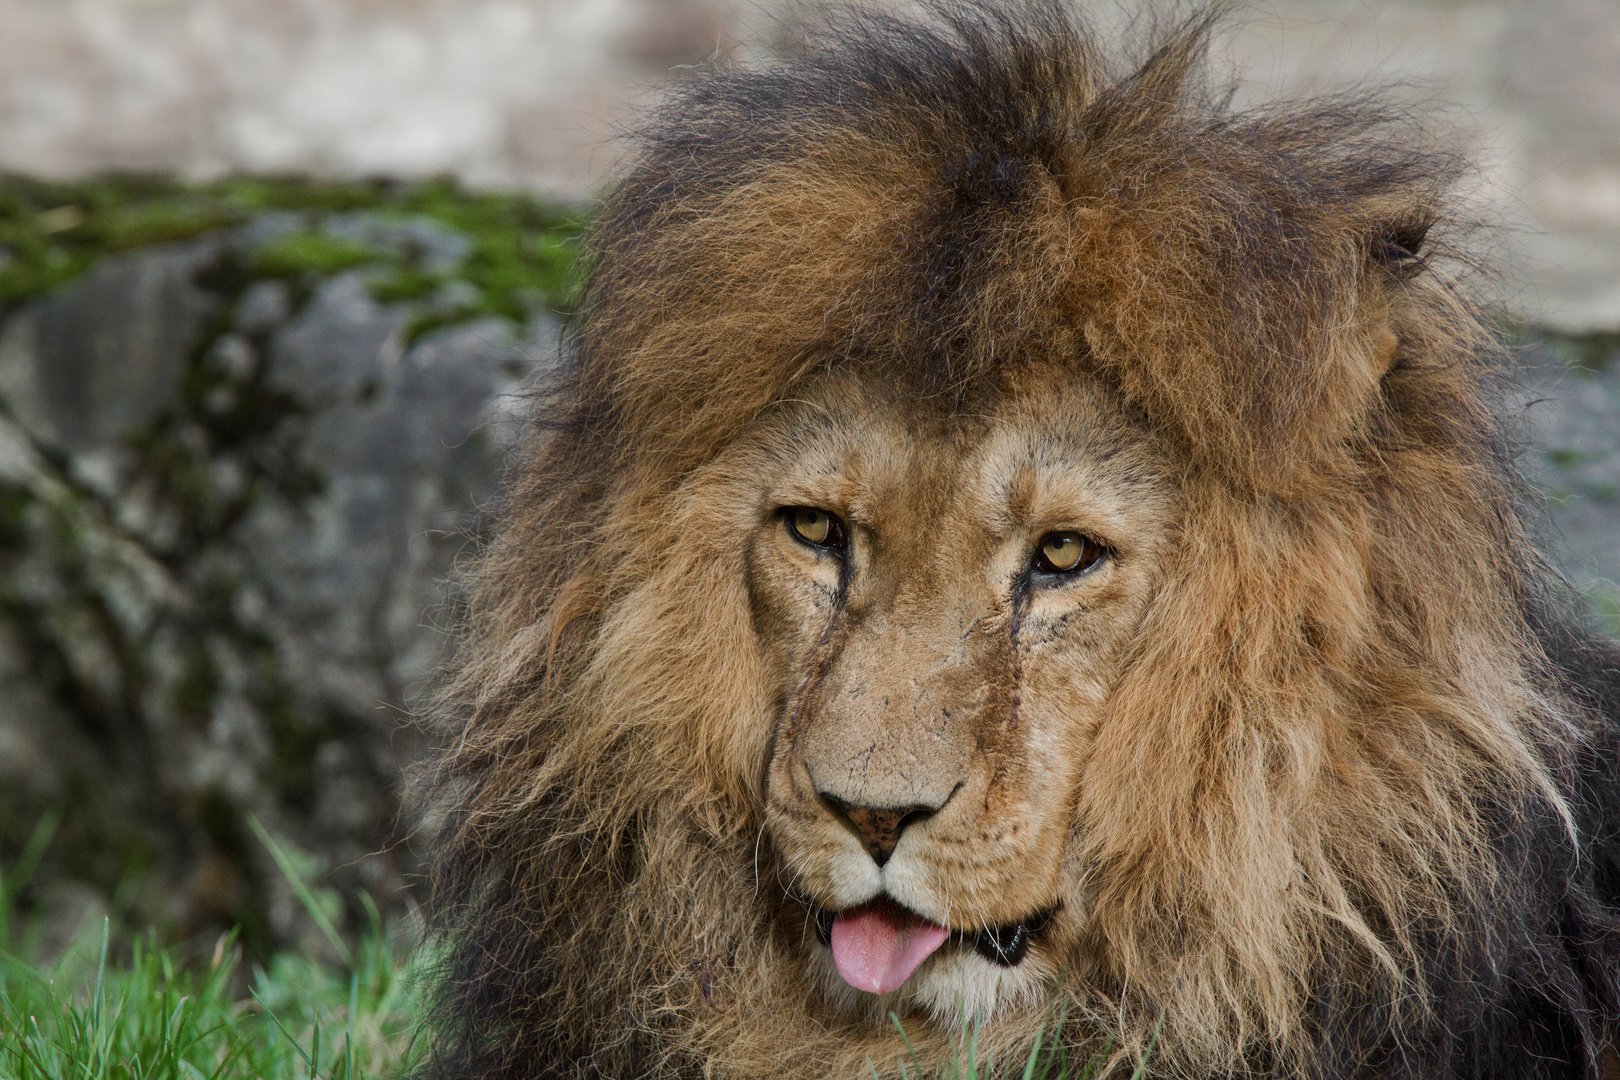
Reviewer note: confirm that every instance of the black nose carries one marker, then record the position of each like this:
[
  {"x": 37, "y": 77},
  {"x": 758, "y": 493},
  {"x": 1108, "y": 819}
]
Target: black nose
[{"x": 878, "y": 827}]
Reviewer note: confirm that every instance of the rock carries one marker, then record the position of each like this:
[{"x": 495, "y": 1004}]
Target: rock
[
  {"x": 224, "y": 566},
  {"x": 439, "y": 251},
  {"x": 1574, "y": 422},
  {"x": 263, "y": 307},
  {"x": 103, "y": 356}
]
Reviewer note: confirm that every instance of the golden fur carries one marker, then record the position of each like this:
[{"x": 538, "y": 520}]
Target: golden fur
[{"x": 1282, "y": 766}]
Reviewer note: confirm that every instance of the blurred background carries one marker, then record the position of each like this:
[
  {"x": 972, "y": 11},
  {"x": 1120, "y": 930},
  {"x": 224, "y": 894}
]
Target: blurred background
[{"x": 271, "y": 272}]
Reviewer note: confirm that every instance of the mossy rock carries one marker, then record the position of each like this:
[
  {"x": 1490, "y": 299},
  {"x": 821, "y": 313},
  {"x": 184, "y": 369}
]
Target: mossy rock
[
  {"x": 521, "y": 248},
  {"x": 251, "y": 425}
]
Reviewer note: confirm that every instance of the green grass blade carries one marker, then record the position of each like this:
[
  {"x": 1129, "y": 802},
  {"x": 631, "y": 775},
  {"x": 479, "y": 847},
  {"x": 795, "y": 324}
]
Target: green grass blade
[
  {"x": 101, "y": 967},
  {"x": 288, "y": 1035},
  {"x": 229, "y": 1059},
  {"x": 101, "y": 1031},
  {"x": 305, "y": 897},
  {"x": 1034, "y": 1053},
  {"x": 906, "y": 1041},
  {"x": 1147, "y": 1051},
  {"x": 348, "y": 1035},
  {"x": 12, "y": 884}
]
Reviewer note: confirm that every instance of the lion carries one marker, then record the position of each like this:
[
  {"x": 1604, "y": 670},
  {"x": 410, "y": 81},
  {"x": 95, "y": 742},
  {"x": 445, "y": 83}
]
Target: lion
[{"x": 1022, "y": 554}]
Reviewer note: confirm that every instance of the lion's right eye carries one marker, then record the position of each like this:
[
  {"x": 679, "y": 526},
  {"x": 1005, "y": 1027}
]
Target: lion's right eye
[
  {"x": 1067, "y": 553},
  {"x": 816, "y": 527}
]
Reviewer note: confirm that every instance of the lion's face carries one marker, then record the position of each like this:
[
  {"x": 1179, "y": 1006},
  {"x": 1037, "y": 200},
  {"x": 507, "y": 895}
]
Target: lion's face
[{"x": 945, "y": 606}]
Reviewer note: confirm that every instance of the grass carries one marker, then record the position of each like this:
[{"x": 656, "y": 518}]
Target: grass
[
  {"x": 147, "y": 1016},
  {"x": 148, "y": 1012},
  {"x": 142, "y": 1012},
  {"x": 100, "y": 1012},
  {"x": 1048, "y": 1057}
]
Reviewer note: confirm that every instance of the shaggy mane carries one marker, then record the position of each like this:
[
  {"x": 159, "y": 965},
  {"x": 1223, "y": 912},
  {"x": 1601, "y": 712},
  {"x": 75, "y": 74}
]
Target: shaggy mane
[{"x": 1382, "y": 830}]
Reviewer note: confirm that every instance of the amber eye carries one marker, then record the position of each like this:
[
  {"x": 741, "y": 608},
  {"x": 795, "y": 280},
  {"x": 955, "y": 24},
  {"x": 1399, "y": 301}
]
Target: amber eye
[
  {"x": 1067, "y": 553},
  {"x": 815, "y": 526}
]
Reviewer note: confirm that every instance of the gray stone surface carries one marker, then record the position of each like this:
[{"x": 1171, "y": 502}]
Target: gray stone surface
[
  {"x": 1574, "y": 420},
  {"x": 223, "y": 570},
  {"x": 84, "y": 366}
]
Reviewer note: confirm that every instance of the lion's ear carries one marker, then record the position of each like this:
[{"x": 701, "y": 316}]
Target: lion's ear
[
  {"x": 1261, "y": 338},
  {"x": 1397, "y": 251},
  {"x": 1386, "y": 348}
]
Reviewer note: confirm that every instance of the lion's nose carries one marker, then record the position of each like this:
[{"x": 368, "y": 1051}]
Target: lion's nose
[{"x": 878, "y": 827}]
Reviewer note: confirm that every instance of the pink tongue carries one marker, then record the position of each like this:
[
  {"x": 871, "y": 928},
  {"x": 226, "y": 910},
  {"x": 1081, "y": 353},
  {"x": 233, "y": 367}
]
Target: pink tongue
[{"x": 878, "y": 945}]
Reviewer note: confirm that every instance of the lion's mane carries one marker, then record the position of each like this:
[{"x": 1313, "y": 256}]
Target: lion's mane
[{"x": 1363, "y": 817}]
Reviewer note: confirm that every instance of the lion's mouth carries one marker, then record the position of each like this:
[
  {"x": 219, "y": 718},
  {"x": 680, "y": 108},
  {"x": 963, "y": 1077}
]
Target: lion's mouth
[{"x": 878, "y": 945}]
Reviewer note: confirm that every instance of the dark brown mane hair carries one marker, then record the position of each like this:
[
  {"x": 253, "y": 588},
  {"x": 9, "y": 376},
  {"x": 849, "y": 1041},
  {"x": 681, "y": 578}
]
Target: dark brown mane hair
[{"x": 942, "y": 200}]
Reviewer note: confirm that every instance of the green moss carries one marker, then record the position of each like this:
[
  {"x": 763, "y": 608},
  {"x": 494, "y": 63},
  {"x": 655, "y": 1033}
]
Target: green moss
[
  {"x": 313, "y": 253},
  {"x": 14, "y": 504},
  {"x": 403, "y": 284},
  {"x": 1565, "y": 458},
  {"x": 1606, "y": 602},
  {"x": 522, "y": 248},
  {"x": 1584, "y": 353},
  {"x": 50, "y": 232}
]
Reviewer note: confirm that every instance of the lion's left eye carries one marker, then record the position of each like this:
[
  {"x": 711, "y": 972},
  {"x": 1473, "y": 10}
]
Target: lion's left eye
[
  {"x": 815, "y": 526},
  {"x": 1067, "y": 553}
]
